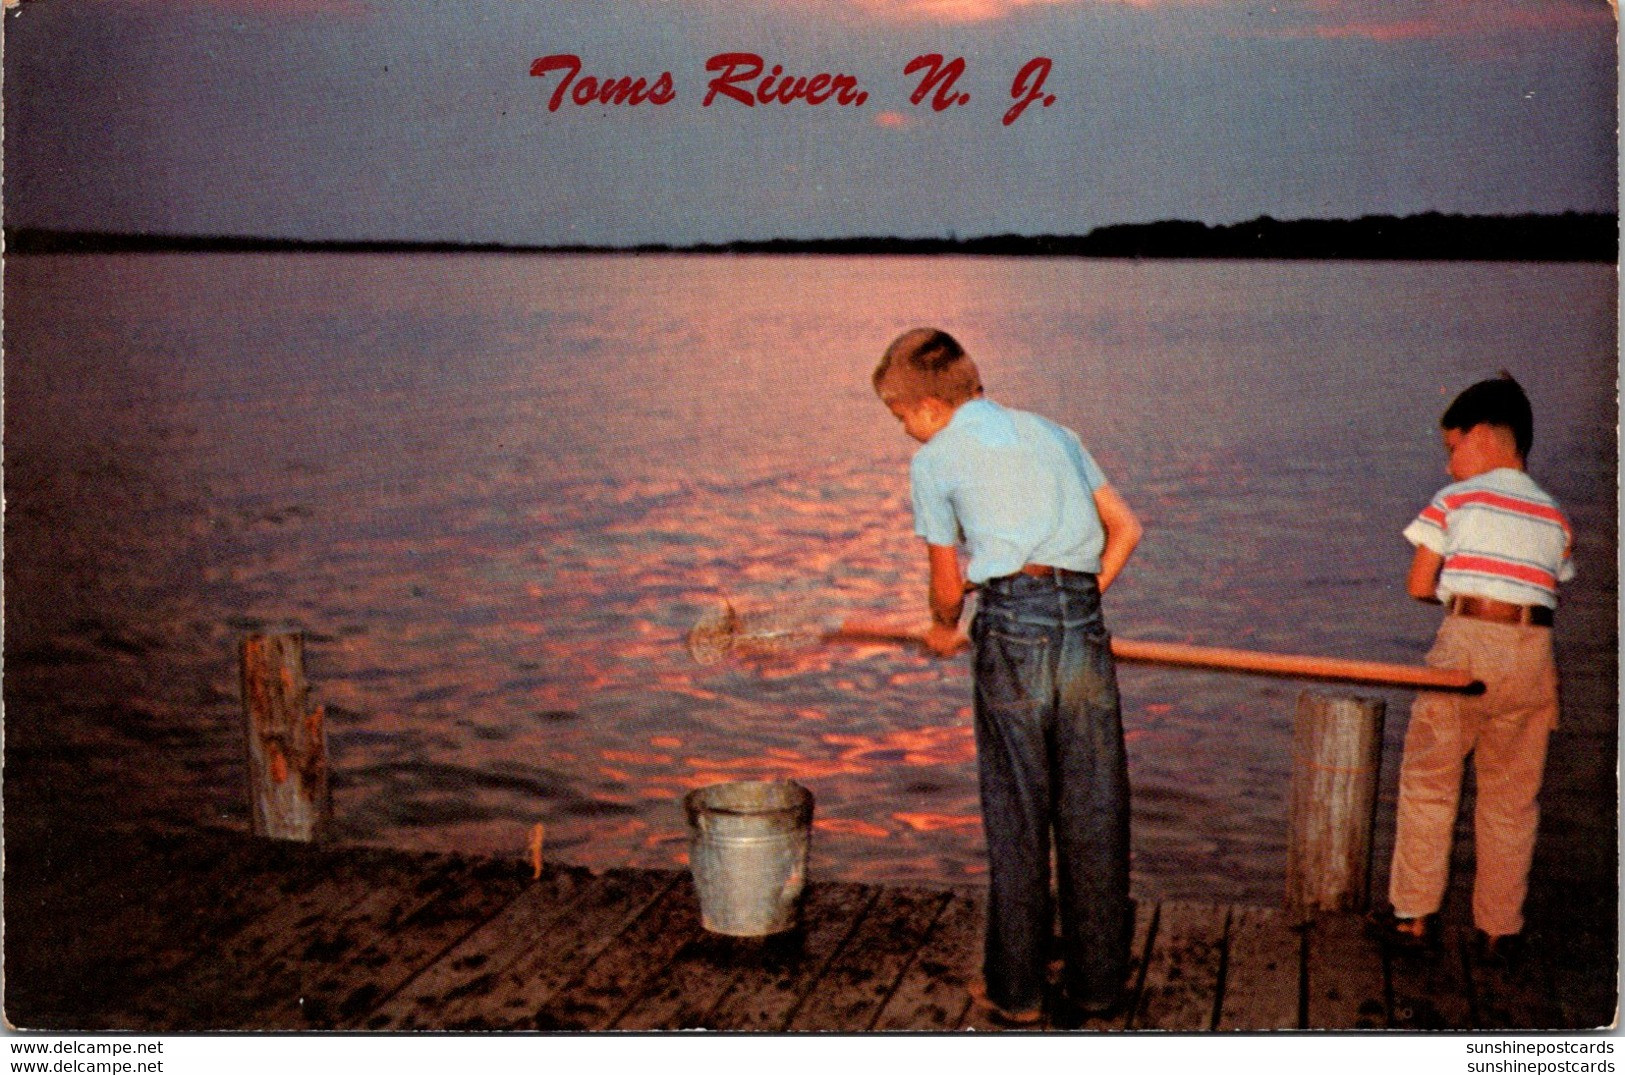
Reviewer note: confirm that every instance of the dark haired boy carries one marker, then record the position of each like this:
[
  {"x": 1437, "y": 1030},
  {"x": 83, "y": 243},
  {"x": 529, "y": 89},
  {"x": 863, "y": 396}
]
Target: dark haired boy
[
  {"x": 1491, "y": 548},
  {"x": 1045, "y": 536}
]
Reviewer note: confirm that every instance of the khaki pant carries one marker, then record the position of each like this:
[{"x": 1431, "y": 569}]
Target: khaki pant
[{"x": 1505, "y": 729}]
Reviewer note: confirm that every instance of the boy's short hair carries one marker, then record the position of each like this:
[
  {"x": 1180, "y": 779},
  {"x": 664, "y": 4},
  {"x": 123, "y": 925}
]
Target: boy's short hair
[
  {"x": 1499, "y": 401},
  {"x": 926, "y": 362}
]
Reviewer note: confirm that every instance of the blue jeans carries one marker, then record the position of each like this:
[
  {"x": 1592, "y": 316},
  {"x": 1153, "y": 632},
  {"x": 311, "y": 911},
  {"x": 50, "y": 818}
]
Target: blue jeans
[{"x": 1049, "y": 743}]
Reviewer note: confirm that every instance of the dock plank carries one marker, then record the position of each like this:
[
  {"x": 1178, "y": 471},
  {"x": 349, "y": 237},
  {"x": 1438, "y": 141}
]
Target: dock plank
[
  {"x": 362, "y": 957},
  {"x": 1344, "y": 979},
  {"x": 304, "y": 984},
  {"x": 1584, "y": 968},
  {"x": 220, "y": 931},
  {"x": 684, "y": 994},
  {"x": 861, "y": 978},
  {"x": 933, "y": 993},
  {"x": 225, "y": 984},
  {"x": 626, "y": 970},
  {"x": 428, "y": 999},
  {"x": 90, "y": 926},
  {"x": 276, "y": 994},
  {"x": 1263, "y": 972},
  {"x": 1182, "y": 971},
  {"x": 765, "y": 995},
  {"x": 1428, "y": 990},
  {"x": 97, "y": 891},
  {"x": 225, "y": 890},
  {"x": 510, "y": 998},
  {"x": 1519, "y": 997},
  {"x": 176, "y": 929}
]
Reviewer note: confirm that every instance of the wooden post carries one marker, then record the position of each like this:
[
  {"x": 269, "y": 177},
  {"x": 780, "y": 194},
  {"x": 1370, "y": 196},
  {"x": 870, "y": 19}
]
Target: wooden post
[
  {"x": 1336, "y": 755},
  {"x": 287, "y": 740}
]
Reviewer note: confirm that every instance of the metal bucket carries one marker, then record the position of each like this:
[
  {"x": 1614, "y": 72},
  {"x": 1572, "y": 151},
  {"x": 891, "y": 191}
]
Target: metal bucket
[{"x": 747, "y": 848}]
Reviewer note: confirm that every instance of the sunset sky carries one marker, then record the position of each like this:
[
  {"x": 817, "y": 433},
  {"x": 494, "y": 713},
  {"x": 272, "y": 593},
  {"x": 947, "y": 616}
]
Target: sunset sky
[{"x": 404, "y": 119}]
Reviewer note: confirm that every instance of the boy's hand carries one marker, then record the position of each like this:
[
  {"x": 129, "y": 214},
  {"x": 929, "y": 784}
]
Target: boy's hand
[
  {"x": 1123, "y": 533},
  {"x": 945, "y": 641}
]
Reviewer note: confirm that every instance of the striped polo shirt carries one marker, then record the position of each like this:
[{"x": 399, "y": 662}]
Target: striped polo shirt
[{"x": 1501, "y": 537}]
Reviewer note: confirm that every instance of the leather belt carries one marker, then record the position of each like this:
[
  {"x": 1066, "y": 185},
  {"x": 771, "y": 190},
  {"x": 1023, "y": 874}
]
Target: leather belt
[
  {"x": 1037, "y": 571},
  {"x": 1044, "y": 571},
  {"x": 1485, "y": 608}
]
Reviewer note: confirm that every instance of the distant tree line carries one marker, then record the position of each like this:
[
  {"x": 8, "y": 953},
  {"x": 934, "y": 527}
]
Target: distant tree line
[
  {"x": 1425, "y": 237},
  {"x": 1429, "y": 236}
]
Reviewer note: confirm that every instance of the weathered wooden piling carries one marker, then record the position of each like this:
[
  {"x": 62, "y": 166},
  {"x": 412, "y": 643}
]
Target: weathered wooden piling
[
  {"x": 287, "y": 740},
  {"x": 1336, "y": 756}
]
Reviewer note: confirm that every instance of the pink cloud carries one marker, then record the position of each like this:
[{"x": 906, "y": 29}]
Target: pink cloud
[
  {"x": 968, "y": 11},
  {"x": 1375, "y": 20},
  {"x": 946, "y": 10},
  {"x": 348, "y": 9},
  {"x": 1398, "y": 20}
]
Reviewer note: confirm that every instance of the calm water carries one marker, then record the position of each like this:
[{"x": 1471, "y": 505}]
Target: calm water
[{"x": 497, "y": 491}]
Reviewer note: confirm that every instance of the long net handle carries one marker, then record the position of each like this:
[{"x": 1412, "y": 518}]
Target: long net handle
[
  {"x": 861, "y": 631},
  {"x": 1182, "y": 655},
  {"x": 1296, "y": 666}
]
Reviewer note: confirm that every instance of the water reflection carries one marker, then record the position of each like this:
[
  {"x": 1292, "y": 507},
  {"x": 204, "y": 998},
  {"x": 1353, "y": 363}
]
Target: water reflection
[{"x": 499, "y": 491}]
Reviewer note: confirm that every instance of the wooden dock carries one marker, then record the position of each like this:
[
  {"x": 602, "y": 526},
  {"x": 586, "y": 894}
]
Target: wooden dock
[{"x": 218, "y": 931}]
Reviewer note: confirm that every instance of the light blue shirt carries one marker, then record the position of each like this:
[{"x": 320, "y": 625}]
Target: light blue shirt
[{"x": 1017, "y": 489}]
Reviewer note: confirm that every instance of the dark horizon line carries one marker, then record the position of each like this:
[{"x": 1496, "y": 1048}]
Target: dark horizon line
[{"x": 1567, "y": 236}]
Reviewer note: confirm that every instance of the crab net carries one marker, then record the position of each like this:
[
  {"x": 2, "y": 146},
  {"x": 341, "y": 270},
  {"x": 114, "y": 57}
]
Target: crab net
[{"x": 732, "y": 630}]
